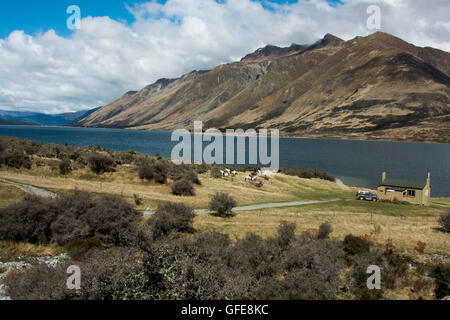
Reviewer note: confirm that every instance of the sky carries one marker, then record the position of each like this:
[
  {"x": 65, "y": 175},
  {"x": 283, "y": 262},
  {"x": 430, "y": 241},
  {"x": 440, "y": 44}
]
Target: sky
[{"x": 124, "y": 45}]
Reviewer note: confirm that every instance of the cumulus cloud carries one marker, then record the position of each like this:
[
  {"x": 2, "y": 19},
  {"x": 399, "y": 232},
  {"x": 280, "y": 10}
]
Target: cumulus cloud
[{"x": 105, "y": 58}]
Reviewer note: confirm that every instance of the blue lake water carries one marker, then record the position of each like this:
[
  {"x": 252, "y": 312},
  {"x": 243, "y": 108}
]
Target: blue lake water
[{"x": 356, "y": 163}]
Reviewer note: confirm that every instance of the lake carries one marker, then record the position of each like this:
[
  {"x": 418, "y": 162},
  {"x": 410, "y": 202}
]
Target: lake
[{"x": 356, "y": 163}]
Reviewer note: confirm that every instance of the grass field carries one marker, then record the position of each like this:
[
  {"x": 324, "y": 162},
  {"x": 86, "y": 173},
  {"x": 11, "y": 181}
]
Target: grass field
[
  {"x": 10, "y": 194},
  {"x": 126, "y": 183},
  {"x": 404, "y": 225}
]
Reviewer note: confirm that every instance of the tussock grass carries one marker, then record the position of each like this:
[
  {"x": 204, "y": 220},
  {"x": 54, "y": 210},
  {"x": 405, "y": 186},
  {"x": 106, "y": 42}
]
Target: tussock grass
[
  {"x": 126, "y": 183},
  {"x": 10, "y": 250},
  {"x": 10, "y": 194},
  {"x": 405, "y": 225}
]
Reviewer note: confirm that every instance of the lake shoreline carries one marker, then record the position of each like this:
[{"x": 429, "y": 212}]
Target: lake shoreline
[
  {"x": 358, "y": 163},
  {"x": 282, "y": 135}
]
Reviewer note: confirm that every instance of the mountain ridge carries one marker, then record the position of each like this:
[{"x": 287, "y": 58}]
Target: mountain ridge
[{"x": 374, "y": 87}]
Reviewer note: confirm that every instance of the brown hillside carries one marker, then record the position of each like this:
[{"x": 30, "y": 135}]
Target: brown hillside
[{"x": 375, "y": 87}]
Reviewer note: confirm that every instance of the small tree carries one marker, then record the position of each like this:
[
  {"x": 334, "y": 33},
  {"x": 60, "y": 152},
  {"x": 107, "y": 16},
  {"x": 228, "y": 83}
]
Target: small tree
[
  {"x": 65, "y": 167},
  {"x": 355, "y": 245},
  {"x": 286, "y": 233},
  {"x": 161, "y": 169},
  {"x": 444, "y": 221},
  {"x": 171, "y": 217},
  {"x": 192, "y": 177},
  {"x": 324, "y": 231},
  {"x": 215, "y": 173},
  {"x": 146, "y": 172},
  {"x": 183, "y": 188},
  {"x": 100, "y": 163},
  {"x": 222, "y": 204}
]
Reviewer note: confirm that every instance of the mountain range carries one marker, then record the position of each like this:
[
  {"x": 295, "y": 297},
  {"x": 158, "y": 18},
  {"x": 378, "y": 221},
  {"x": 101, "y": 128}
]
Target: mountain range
[
  {"x": 34, "y": 118},
  {"x": 374, "y": 87}
]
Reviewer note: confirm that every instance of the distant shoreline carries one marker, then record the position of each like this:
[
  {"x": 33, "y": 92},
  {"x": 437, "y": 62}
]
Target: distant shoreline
[{"x": 282, "y": 135}]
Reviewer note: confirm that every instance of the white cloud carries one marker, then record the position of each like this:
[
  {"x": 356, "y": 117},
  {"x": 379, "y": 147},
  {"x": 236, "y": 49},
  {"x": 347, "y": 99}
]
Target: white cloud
[{"x": 106, "y": 58}]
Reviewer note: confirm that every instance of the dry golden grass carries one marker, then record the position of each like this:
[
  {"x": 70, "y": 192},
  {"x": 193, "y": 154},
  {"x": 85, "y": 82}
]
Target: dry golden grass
[
  {"x": 125, "y": 183},
  {"x": 10, "y": 194},
  {"x": 405, "y": 225},
  {"x": 346, "y": 217},
  {"x": 10, "y": 250}
]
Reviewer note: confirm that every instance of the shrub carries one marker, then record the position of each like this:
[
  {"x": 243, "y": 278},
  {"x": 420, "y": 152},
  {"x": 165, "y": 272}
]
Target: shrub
[
  {"x": 355, "y": 245},
  {"x": 146, "y": 172},
  {"x": 16, "y": 159},
  {"x": 255, "y": 256},
  {"x": 222, "y": 204},
  {"x": 183, "y": 188},
  {"x": 77, "y": 248},
  {"x": 441, "y": 275},
  {"x": 259, "y": 184},
  {"x": 105, "y": 276},
  {"x": 215, "y": 173},
  {"x": 192, "y": 177},
  {"x": 357, "y": 277},
  {"x": 65, "y": 167},
  {"x": 29, "y": 220},
  {"x": 314, "y": 270},
  {"x": 308, "y": 174},
  {"x": 286, "y": 233},
  {"x": 137, "y": 200},
  {"x": 171, "y": 217},
  {"x": 160, "y": 171},
  {"x": 76, "y": 215},
  {"x": 109, "y": 218},
  {"x": 324, "y": 231},
  {"x": 444, "y": 221},
  {"x": 100, "y": 163}
]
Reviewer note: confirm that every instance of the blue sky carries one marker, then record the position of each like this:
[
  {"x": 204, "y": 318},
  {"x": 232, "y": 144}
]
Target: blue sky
[{"x": 34, "y": 16}]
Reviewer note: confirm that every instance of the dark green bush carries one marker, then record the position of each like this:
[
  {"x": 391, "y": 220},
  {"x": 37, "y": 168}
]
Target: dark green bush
[
  {"x": 146, "y": 172},
  {"x": 29, "y": 220},
  {"x": 286, "y": 234},
  {"x": 15, "y": 159},
  {"x": 106, "y": 275},
  {"x": 324, "y": 231},
  {"x": 441, "y": 275},
  {"x": 100, "y": 163},
  {"x": 109, "y": 218},
  {"x": 355, "y": 245},
  {"x": 171, "y": 217},
  {"x": 222, "y": 204},
  {"x": 308, "y": 173},
  {"x": 192, "y": 177},
  {"x": 183, "y": 188},
  {"x": 77, "y": 215},
  {"x": 314, "y": 270},
  {"x": 77, "y": 248},
  {"x": 65, "y": 167},
  {"x": 444, "y": 221},
  {"x": 160, "y": 171},
  {"x": 215, "y": 173}
]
